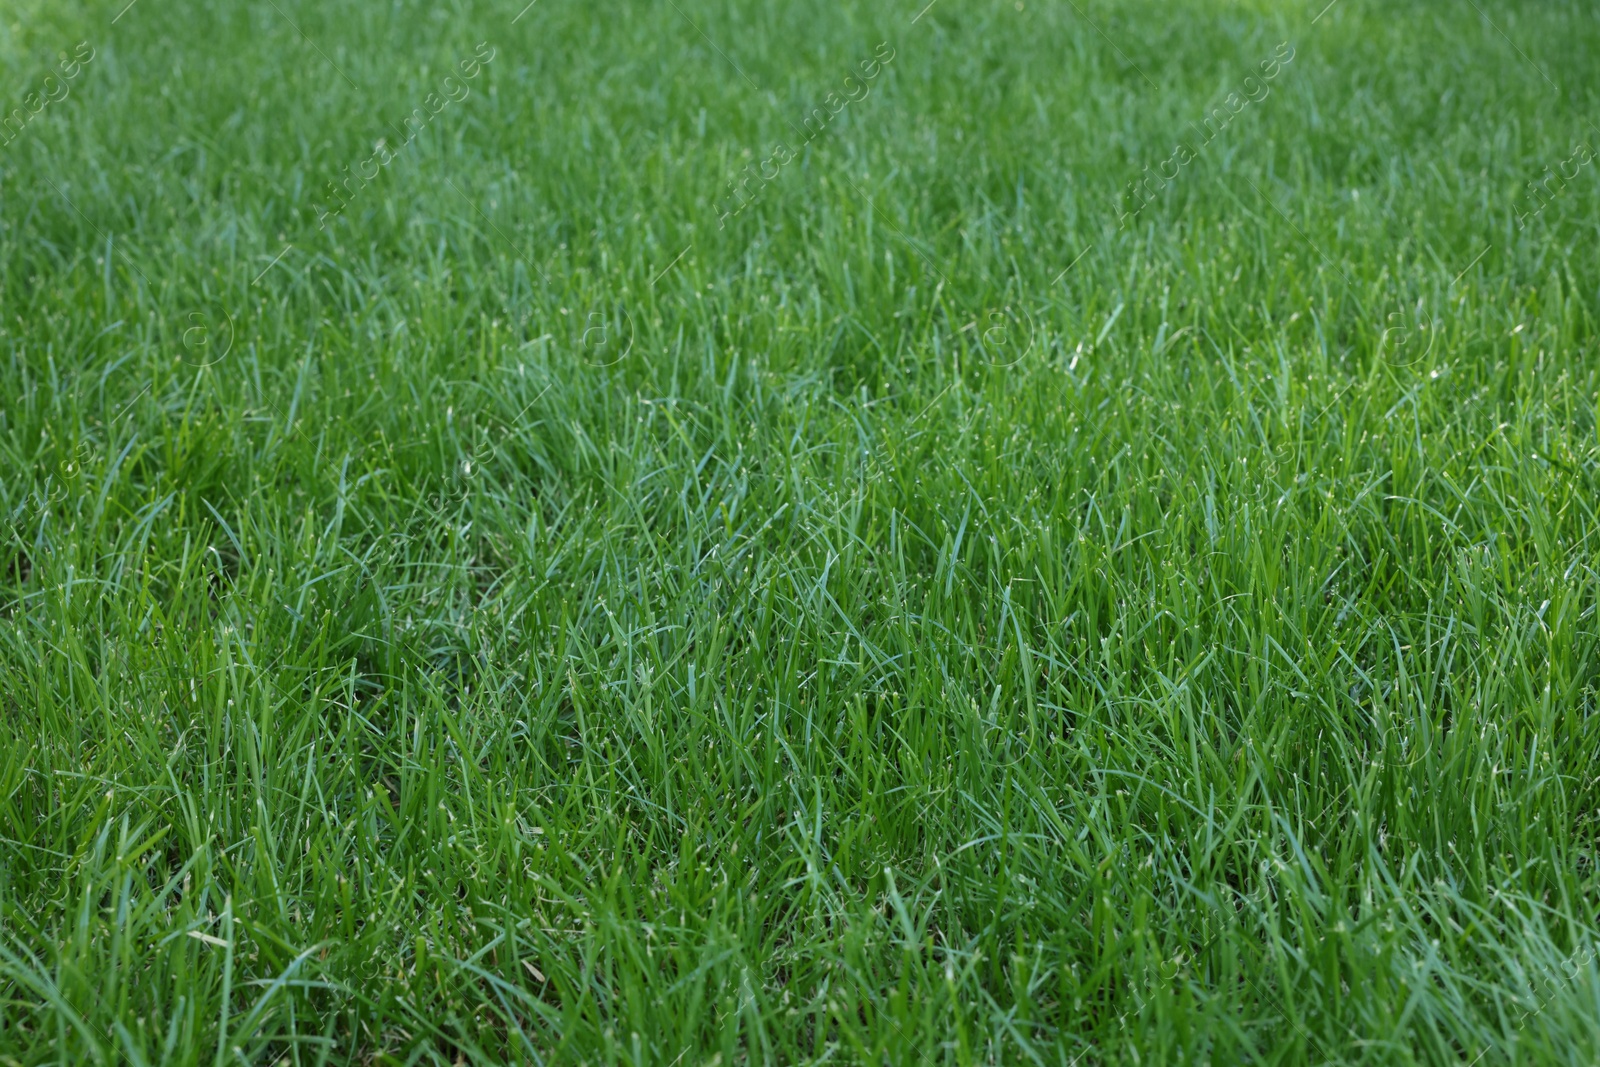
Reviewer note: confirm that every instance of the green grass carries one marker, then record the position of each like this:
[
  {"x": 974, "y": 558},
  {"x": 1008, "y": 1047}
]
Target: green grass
[{"x": 916, "y": 621}]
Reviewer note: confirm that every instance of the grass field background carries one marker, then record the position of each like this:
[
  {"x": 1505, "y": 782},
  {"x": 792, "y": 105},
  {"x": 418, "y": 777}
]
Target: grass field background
[{"x": 532, "y": 617}]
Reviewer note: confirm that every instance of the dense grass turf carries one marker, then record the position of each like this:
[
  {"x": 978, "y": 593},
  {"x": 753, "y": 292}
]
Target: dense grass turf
[{"x": 545, "y": 612}]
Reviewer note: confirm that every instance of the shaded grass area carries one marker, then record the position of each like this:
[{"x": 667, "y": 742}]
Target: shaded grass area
[{"x": 917, "y": 621}]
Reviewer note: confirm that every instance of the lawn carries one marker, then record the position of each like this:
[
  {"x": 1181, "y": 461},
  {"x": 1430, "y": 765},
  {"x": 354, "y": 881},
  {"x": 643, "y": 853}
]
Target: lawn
[{"x": 682, "y": 532}]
